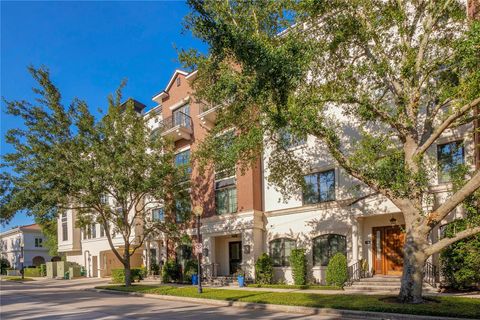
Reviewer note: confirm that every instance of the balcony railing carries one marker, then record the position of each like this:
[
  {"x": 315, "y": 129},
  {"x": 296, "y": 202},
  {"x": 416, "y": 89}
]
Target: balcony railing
[{"x": 178, "y": 119}]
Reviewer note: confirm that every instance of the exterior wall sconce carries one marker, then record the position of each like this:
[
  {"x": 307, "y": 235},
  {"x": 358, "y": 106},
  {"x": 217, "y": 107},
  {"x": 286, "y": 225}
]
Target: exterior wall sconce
[
  {"x": 393, "y": 221},
  {"x": 205, "y": 252},
  {"x": 246, "y": 249}
]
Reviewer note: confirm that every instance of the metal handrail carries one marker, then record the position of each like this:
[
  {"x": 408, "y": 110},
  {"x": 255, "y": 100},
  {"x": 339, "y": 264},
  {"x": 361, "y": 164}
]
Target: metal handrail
[
  {"x": 178, "y": 119},
  {"x": 430, "y": 274},
  {"x": 356, "y": 272}
]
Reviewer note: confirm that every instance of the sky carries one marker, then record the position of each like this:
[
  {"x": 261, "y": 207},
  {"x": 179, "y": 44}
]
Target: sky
[{"x": 89, "y": 47}]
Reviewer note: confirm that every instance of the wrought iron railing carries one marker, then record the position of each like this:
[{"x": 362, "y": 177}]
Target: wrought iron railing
[
  {"x": 358, "y": 271},
  {"x": 430, "y": 274},
  {"x": 177, "y": 119}
]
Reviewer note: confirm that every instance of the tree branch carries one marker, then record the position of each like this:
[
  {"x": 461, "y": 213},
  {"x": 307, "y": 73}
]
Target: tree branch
[
  {"x": 445, "y": 242},
  {"x": 446, "y": 123},
  {"x": 441, "y": 212}
]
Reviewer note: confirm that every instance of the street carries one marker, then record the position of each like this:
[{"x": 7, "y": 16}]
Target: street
[{"x": 62, "y": 299}]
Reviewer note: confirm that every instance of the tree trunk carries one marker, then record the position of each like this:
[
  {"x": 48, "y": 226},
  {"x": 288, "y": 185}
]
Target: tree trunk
[
  {"x": 414, "y": 258},
  {"x": 128, "y": 271}
]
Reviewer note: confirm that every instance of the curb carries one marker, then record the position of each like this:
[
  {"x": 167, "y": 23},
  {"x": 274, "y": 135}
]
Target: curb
[{"x": 282, "y": 308}]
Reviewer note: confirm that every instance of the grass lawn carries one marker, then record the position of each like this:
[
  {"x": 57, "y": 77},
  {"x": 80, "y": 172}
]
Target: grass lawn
[
  {"x": 438, "y": 306},
  {"x": 292, "y": 286},
  {"x": 16, "y": 278}
]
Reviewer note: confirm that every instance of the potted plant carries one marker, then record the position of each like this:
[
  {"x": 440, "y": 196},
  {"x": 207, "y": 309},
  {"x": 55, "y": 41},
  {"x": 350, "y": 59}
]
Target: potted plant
[{"x": 240, "y": 274}]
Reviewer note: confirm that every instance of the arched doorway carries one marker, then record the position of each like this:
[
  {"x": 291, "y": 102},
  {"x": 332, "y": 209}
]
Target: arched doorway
[
  {"x": 38, "y": 260},
  {"x": 56, "y": 258}
]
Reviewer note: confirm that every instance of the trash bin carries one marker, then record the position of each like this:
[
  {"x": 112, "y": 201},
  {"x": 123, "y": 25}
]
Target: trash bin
[
  {"x": 241, "y": 281},
  {"x": 194, "y": 279}
]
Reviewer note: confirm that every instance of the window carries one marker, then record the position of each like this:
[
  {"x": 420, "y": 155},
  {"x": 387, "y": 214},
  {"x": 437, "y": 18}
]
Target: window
[
  {"x": 326, "y": 246},
  {"x": 290, "y": 140},
  {"x": 225, "y": 191},
  {"x": 181, "y": 116},
  {"x": 102, "y": 231},
  {"x": 153, "y": 256},
  {"x": 182, "y": 160},
  {"x": 182, "y": 210},
  {"x": 64, "y": 227},
  {"x": 280, "y": 251},
  {"x": 158, "y": 215},
  {"x": 183, "y": 253},
  {"x": 94, "y": 230},
  {"x": 320, "y": 187},
  {"x": 449, "y": 157},
  {"x": 38, "y": 243},
  {"x": 104, "y": 199}
]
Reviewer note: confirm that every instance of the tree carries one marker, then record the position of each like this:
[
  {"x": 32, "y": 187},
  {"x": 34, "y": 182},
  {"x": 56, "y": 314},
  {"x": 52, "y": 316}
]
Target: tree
[
  {"x": 108, "y": 171},
  {"x": 396, "y": 75}
]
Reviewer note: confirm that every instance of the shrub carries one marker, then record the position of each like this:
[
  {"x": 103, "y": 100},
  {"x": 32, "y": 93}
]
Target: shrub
[
  {"x": 337, "y": 272},
  {"x": 298, "y": 262},
  {"x": 32, "y": 272},
  {"x": 191, "y": 268},
  {"x": 4, "y": 265},
  {"x": 118, "y": 275},
  {"x": 43, "y": 270},
  {"x": 171, "y": 271},
  {"x": 264, "y": 269},
  {"x": 460, "y": 263},
  {"x": 154, "y": 268}
]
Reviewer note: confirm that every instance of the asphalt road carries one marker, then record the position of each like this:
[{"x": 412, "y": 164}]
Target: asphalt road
[{"x": 68, "y": 299}]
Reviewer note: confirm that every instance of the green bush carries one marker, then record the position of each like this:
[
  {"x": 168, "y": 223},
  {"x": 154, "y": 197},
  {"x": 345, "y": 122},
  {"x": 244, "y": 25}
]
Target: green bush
[
  {"x": 298, "y": 262},
  {"x": 118, "y": 275},
  {"x": 191, "y": 268},
  {"x": 32, "y": 272},
  {"x": 154, "y": 268},
  {"x": 43, "y": 270},
  {"x": 264, "y": 269},
  {"x": 4, "y": 265},
  {"x": 337, "y": 272},
  {"x": 171, "y": 271},
  {"x": 460, "y": 263}
]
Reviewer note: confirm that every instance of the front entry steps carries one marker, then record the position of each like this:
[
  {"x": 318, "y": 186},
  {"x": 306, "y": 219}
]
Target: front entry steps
[{"x": 390, "y": 284}]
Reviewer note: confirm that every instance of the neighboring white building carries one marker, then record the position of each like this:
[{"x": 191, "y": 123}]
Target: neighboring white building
[{"x": 32, "y": 240}]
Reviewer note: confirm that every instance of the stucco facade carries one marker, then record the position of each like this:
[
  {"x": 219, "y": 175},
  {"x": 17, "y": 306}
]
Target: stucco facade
[{"x": 32, "y": 240}]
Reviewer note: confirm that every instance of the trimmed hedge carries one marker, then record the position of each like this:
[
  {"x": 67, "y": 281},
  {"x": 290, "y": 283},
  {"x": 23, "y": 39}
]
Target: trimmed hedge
[
  {"x": 118, "y": 275},
  {"x": 298, "y": 262},
  {"x": 171, "y": 271},
  {"x": 32, "y": 272},
  {"x": 337, "y": 272},
  {"x": 264, "y": 269}
]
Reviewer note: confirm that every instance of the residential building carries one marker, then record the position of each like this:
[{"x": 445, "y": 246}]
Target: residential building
[
  {"x": 244, "y": 215},
  {"x": 30, "y": 240}
]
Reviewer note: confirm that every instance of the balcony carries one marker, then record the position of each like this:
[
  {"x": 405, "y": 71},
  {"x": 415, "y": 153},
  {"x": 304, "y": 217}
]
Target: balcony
[
  {"x": 177, "y": 127},
  {"x": 208, "y": 116}
]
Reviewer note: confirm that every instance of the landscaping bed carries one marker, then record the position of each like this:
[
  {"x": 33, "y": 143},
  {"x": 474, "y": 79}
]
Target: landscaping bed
[
  {"x": 292, "y": 286},
  {"x": 438, "y": 306}
]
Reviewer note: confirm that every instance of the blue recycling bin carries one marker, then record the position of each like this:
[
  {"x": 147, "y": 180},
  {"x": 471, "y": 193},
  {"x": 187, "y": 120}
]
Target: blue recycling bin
[
  {"x": 194, "y": 279},
  {"x": 241, "y": 281}
]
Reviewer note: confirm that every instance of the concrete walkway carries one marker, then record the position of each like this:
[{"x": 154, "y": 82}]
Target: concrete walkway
[{"x": 475, "y": 295}]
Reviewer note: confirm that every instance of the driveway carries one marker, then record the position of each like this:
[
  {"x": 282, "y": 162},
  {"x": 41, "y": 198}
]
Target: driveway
[{"x": 67, "y": 299}]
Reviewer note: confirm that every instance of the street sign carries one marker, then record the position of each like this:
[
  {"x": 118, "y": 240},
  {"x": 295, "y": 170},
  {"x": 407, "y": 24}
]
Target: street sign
[{"x": 197, "y": 248}]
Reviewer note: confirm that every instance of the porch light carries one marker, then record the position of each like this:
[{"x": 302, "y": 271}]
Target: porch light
[
  {"x": 246, "y": 249},
  {"x": 393, "y": 221}
]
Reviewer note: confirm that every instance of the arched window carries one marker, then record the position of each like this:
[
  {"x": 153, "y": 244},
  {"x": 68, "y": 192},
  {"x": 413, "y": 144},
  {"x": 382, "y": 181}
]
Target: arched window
[
  {"x": 38, "y": 260},
  {"x": 326, "y": 246},
  {"x": 280, "y": 251}
]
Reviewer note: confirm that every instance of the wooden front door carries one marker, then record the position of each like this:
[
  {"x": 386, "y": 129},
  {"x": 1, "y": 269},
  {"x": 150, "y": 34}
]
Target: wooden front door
[
  {"x": 235, "y": 256},
  {"x": 388, "y": 250}
]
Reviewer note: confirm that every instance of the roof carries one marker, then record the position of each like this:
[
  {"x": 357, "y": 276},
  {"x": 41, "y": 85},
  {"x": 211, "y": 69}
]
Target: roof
[
  {"x": 175, "y": 74},
  {"x": 25, "y": 228},
  {"x": 137, "y": 105}
]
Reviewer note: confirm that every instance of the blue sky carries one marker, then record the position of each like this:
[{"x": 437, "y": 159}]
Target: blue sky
[{"x": 89, "y": 48}]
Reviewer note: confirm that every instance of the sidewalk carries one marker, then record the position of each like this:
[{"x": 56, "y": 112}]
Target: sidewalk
[{"x": 474, "y": 295}]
